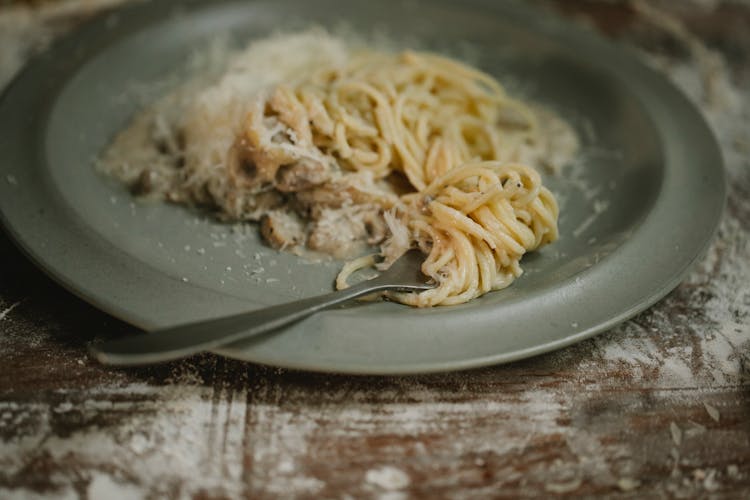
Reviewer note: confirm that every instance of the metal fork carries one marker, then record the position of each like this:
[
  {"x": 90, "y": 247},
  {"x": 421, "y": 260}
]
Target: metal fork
[{"x": 183, "y": 340}]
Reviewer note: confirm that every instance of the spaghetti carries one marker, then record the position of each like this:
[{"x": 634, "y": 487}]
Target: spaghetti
[{"x": 401, "y": 150}]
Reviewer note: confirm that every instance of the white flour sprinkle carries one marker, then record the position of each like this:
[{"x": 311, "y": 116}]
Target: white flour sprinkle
[
  {"x": 8, "y": 310},
  {"x": 388, "y": 478},
  {"x": 676, "y": 433},
  {"x": 561, "y": 488},
  {"x": 103, "y": 486},
  {"x": 628, "y": 484},
  {"x": 157, "y": 441},
  {"x": 712, "y": 412}
]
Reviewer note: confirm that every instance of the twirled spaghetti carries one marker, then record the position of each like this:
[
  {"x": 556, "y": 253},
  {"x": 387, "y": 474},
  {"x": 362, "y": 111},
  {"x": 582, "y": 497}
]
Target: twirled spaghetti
[{"x": 401, "y": 150}]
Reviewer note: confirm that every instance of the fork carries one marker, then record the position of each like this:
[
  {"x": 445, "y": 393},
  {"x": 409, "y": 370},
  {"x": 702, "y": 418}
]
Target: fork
[{"x": 168, "y": 344}]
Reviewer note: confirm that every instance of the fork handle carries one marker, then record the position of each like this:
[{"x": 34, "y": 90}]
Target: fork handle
[{"x": 191, "y": 338}]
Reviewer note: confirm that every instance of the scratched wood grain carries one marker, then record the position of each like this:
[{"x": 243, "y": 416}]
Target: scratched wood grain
[{"x": 658, "y": 407}]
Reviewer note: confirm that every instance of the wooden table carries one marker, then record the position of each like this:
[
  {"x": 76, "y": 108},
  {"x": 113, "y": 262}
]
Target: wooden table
[{"x": 657, "y": 407}]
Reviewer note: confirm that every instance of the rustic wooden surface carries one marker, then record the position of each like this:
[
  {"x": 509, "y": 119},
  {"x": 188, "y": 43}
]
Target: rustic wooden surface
[{"x": 658, "y": 407}]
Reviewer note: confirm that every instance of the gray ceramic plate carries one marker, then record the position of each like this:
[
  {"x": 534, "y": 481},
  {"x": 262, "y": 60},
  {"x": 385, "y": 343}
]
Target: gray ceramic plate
[{"x": 640, "y": 206}]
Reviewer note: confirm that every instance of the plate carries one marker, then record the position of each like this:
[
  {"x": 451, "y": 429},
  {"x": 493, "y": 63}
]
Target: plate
[{"x": 639, "y": 206}]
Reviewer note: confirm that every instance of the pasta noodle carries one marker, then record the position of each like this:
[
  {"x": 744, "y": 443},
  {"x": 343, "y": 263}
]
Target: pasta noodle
[
  {"x": 402, "y": 150},
  {"x": 480, "y": 219}
]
